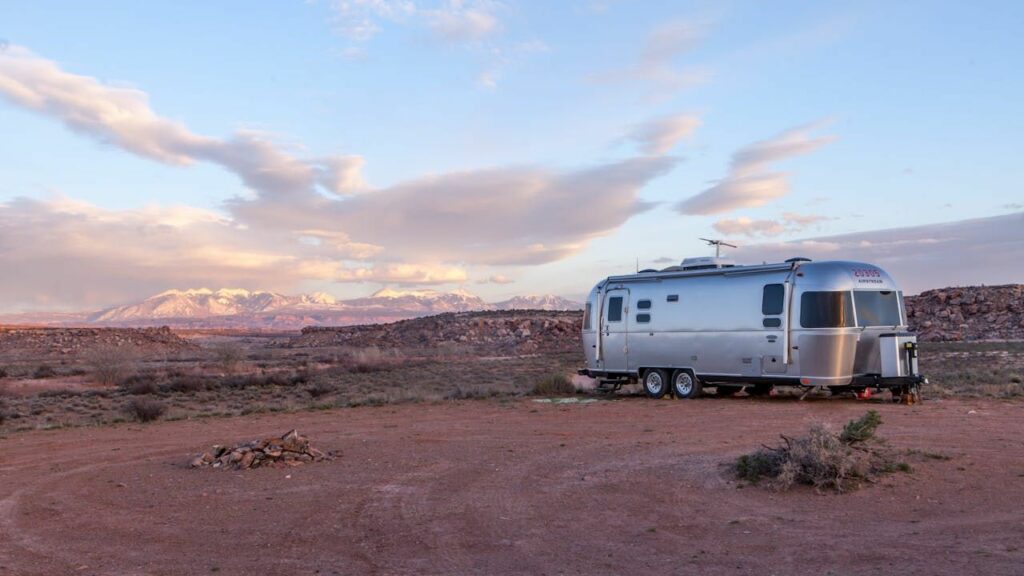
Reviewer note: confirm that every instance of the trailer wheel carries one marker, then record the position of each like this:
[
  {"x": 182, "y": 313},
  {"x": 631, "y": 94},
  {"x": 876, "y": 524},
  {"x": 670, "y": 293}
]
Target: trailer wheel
[
  {"x": 655, "y": 383},
  {"x": 685, "y": 384}
]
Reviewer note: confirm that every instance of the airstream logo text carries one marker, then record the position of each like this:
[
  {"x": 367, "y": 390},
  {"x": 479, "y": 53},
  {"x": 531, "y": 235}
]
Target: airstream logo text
[
  {"x": 866, "y": 273},
  {"x": 867, "y": 276}
]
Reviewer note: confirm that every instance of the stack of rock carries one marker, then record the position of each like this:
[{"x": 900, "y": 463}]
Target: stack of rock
[{"x": 292, "y": 449}]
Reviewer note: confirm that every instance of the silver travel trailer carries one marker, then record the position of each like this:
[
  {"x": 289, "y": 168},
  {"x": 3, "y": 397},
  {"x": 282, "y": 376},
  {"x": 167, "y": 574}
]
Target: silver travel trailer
[{"x": 709, "y": 323}]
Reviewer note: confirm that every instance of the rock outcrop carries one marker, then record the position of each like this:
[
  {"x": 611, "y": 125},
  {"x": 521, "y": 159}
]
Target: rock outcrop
[
  {"x": 503, "y": 332},
  {"x": 968, "y": 313},
  {"x": 18, "y": 342}
]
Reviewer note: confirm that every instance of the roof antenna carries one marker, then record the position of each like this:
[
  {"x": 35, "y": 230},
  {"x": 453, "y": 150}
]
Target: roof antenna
[
  {"x": 718, "y": 245},
  {"x": 637, "y": 264}
]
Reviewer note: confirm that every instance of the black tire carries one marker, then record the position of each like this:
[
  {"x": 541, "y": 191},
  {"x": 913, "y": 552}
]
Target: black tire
[
  {"x": 759, "y": 389},
  {"x": 723, "y": 390},
  {"x": 685, "y": 385},
  {"x": 655, "y": 383},
  {"x": 897, "y": 394}
]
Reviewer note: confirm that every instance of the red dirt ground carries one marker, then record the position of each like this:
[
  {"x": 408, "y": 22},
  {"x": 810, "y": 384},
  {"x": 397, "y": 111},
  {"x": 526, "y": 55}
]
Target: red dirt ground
[{"x": 624, "y": 487}]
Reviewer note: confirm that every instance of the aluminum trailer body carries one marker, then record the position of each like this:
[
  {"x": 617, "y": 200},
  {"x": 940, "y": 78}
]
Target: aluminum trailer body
[{"x": 823, "y": 324}]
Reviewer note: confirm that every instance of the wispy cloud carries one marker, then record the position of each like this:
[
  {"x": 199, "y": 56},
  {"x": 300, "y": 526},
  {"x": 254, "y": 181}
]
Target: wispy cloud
[
  {"x": 496, "y": 216},
  {"x": 790, "y": 222},
  {"x": 122, "y": 117},
  {"x": 660, "y": 135},
  {"x": 750, "y": 182},
  {"x": 456, "y": 21},
  {"x": 658, "y": 67},
  {"x": 359, "y": 20},
  {"x": 461, "y": 21},
  {"x": 496, "y": 279}
]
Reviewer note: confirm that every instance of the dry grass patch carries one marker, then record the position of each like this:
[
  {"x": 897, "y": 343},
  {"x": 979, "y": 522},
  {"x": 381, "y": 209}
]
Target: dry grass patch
[{"x": 554, "y": 385}]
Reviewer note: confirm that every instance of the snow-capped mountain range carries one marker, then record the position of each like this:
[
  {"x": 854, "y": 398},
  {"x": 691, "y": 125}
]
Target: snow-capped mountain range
[{"x": 236, "y": 308}]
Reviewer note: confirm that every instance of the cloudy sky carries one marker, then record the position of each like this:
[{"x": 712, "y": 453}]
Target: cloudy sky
[{"x": 503, "y": 147}]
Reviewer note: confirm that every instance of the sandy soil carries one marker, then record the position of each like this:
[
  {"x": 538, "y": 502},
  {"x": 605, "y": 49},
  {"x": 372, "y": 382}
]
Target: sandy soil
[{"x": 631, "y": 486}]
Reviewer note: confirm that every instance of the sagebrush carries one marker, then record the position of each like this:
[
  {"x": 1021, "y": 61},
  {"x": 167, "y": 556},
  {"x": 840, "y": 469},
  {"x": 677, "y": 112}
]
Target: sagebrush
[
  {"x": 823, "y": 458},
  {"x": 145, "y": 409}
]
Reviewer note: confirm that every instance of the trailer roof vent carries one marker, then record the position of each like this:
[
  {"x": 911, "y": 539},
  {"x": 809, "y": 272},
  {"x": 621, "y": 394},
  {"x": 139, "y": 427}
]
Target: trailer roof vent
[
  {"x": 797, "y": 259},
  {"x": 706, "y": 263}
]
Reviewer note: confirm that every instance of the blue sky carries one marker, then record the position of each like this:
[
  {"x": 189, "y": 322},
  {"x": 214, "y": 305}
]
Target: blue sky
[{"x": 849, "y": 117}]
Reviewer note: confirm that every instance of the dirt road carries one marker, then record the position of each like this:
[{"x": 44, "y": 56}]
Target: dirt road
[{"x": 623, "y": 487}]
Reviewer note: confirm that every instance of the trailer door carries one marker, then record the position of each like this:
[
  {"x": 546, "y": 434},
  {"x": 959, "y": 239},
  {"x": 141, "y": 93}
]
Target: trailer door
[
  {"x": 614, "y": 344},
  {"x": 773, "y": 322}
]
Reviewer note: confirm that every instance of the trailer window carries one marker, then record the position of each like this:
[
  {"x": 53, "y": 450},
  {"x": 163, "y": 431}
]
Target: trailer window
[
  {"x": 771, "y": 299},
  {"x": 672, "y": 298},
  {"x": 643, "y": 305},
  {"x": 877, "y": 308},
  {"x": 643, "y": 318},
  {"x": 586, "y": 317},
  {"x": 615, "y": 309},
  {"x": 826, "y": 310}
]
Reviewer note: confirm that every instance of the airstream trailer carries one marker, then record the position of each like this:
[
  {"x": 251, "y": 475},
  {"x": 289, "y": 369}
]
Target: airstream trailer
[{"x": 709, "y": 323}]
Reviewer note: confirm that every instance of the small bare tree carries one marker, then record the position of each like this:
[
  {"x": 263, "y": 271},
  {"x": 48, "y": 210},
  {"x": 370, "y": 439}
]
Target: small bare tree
[
  {"x": 112, "y": 364},
  {"x": 228, "y": 356}
]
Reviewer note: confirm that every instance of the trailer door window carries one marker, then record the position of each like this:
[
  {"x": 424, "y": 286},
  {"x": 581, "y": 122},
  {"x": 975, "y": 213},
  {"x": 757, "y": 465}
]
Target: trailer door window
[
  {"x": 826, "y": 310},
  {"x": 771, "y": 299},
  {"x": 615, "y": 309},
  {"x": 877, "y": 308},
  {"x": 586, "y": 317}
]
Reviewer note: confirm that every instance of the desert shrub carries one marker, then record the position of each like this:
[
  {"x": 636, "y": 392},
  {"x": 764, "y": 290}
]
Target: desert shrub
[
  {"x": 320, "y": 389},
  {"x": 187, "y": 383},
  {"x": 554, "y": 385},
  {"x": 3, "y": 372},
  {"x": 228, "y": 356},
  {"x": 261, "y": 380},
  {"x": 823, "y": 458},
  {"x": 298, "y": 377},
  {"x": 470, "y": 392},
  {"x": 58, "y": 393},
  {"x": 111, "y": 364},
  {"x": 145, "y": 409},
  {"x": 365, "y": 360},
  {"x": 862, "y": 429},
  {"x": 757, "y": 465},
  {"x": 138, "y": 384},
  {"x": 44, "y": 371}
]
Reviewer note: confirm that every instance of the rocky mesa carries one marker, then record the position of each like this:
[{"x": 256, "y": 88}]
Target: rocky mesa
[{"x": 968, "y": 313}]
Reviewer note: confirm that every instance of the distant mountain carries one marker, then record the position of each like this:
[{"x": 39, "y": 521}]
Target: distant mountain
[
  {"x": 546, "y": 302},
  {"x": 419, "y": 302},
  {"x": 205, "y": 303},
  {"x": 239, "y": 308}
]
